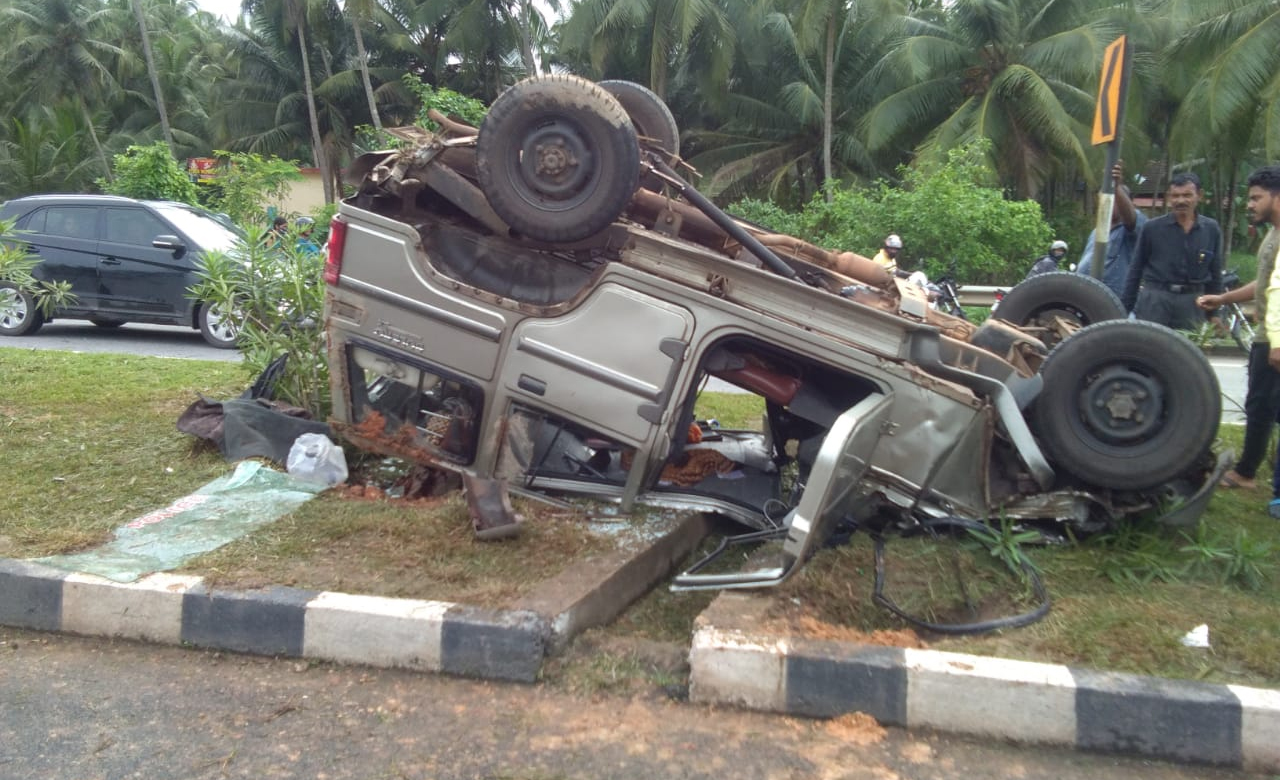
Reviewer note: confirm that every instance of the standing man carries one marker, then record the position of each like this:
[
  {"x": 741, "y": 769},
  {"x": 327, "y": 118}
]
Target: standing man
[
  {"x": 1262, "y": 399},
  {"x": 1178, "y": 258},
  {"x": 1264, "y": 209},
  {"x": 1126, "y": 222}
]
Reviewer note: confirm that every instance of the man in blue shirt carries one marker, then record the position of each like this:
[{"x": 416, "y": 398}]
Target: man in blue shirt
[
  {"x": 305, "y": 244},
  {"x": 1126, "y": 221}
]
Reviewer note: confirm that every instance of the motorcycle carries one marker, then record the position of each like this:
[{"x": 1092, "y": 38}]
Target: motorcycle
[
  {"x": 944, "y": 294},
  {"x": 1232, "y": 317}
]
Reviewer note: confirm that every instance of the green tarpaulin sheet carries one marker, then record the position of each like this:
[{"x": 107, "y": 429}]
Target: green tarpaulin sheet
[{"x": 220, "y": 512}]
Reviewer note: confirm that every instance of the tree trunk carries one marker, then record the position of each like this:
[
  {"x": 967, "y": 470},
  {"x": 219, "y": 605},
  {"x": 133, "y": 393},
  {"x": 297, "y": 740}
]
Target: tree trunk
[
  {"x": 525, "y": 22},
  {"x": 322, "y": 159},
  {"x": 363, "y": 57},
  {"x": 828, "y": 101},
  {"x": 155, "y": 76},
  {"x": 1229, "y": 215},
  {"x": 93, "y": 134}
]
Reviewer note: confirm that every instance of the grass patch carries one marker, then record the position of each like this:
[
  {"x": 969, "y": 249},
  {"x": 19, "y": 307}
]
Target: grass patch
[
  {"x": 1121, "y": 602},
  {"x": 88, "y": 442},
  {"x": 423, "y": 549}
]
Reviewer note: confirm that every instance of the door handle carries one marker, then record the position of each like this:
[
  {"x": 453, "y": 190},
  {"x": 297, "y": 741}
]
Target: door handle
[{"x": 110, "y": 261}]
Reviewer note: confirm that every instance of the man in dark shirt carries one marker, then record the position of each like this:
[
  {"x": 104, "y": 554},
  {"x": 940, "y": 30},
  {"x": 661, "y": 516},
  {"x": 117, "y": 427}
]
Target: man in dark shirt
[{"x": 1178, "y": 258}]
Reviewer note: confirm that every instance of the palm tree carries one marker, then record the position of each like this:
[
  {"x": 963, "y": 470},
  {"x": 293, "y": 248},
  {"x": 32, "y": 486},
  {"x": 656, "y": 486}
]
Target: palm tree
[
  {"x": 359, "y": 11},
  {"x": 1019, "y": 72},
  {"x": 153, "y": 75},
  {"x": 288, "y": 18},
  {"x": 1235, "y": 43},
  {"x": 671, "y": 30},
  {"x": 43, "y": 151},
  {"x": 62, "y": 48},
  {"x": 789, "y": 124}
]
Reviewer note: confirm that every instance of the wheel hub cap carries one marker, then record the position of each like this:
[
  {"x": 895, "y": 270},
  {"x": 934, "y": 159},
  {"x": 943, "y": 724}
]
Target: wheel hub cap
[
  {"x": 555, "y": 161},
  {"x": 1122, "y": 405}
]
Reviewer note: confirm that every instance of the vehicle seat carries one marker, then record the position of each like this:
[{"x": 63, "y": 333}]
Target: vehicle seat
[{"x": 750, "y": 373}]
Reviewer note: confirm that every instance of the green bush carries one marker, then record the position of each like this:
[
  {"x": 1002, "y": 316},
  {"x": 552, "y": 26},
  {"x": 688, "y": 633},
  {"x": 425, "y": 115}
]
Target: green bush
[
  {"x": 149, "y": 173},
  {"x": 15, "y": 270},
  {"x": 246, "y": 183},
  {"x": 446, "y": 101},
  {"x": 275, "y": 294},
  {"x": 952, "y": 219}
]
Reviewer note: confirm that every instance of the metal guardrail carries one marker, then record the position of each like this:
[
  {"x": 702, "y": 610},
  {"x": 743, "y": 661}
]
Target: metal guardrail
[
  {"x": 983, "y": 295},
  {"x": 978, "y": 295}
]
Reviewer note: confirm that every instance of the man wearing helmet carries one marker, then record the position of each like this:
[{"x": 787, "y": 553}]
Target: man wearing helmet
[
  {"x": 305, "y": 244},
  {"x": 887, "y": 257},
  {"x": 1049, "y": 262}
]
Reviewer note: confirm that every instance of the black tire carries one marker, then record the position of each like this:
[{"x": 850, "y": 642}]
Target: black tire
[
  {"x": 215, "y": 327},
  {"x": 1127, "y": 405},
  {"x": 101, "y": 323},
  {"x": 649, "y": 115},
  {"x": 656, "y": 128},
  {"x": 557, "y": 158},
  {"x": 19, "y": 313},
  {"x": 1040, "y": 301}
]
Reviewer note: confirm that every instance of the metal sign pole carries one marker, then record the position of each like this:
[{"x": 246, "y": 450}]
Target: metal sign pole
[{"x": 1108, "y": 124}]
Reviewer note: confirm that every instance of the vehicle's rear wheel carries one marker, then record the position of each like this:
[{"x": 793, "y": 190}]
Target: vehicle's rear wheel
[
  {"x": 19, "y": 313},
  {"x": 1127, "y": 405},
  {"x": 101, "y": 323},
  {"x": 216, "y": 327},
  {"x": 1054, "y": 305},
  {"x": 655, "y": 126},
  {"x": 557, "y": 158}
]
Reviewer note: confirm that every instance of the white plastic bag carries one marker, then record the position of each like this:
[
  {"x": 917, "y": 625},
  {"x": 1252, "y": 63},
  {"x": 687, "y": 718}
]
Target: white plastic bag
[{"x": 315, "y": 458}]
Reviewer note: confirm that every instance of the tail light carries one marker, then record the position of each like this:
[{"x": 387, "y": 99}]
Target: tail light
[{"x": 333, "y": 258}]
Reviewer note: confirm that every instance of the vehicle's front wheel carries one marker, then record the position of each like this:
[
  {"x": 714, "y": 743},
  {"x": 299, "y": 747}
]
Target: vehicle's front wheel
[
  {"x": 216, "y": 327},
  {"x": 557, "y": 158},
  {"x": 1052, "y": 306},
  {"x": 1127, "y": 405},
  {"x": 19, "y": 313}
]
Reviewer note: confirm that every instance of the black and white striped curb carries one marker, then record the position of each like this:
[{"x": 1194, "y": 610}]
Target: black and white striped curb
[
  {"x": 175, "y": 609},
  {"x": 1016, "y": 700}
]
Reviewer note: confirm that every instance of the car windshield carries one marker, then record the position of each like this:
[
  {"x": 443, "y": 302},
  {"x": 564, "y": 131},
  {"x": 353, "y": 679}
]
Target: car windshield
[{"x": 209, "y": 232}]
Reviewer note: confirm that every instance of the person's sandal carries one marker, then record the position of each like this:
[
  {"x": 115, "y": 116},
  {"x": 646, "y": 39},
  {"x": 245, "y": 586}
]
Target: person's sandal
[{"x": 1232, "y": 480}]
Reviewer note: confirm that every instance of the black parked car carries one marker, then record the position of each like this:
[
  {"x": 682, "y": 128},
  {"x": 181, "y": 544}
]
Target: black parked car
[{"x": 126, "y": 260}]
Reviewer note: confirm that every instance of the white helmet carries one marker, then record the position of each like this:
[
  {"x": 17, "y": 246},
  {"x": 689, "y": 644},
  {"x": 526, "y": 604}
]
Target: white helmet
[
  {"x": 1059, "y": 244},
  {"x": 893, "y": 241}
]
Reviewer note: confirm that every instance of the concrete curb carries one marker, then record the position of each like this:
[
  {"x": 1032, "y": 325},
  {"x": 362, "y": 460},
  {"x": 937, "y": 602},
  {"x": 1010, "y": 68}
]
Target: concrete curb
[
  {"x": 1174, "y": 720},
  {"x": 430, "y": 636}
]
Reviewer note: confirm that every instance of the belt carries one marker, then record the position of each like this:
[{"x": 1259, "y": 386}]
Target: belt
[{"x": 1177, "y": 288}]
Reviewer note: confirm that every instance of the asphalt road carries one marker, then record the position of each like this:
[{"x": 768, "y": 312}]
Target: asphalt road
[
  {"x": 92, "y": 708},
  {"x": 134, "y": 339}
]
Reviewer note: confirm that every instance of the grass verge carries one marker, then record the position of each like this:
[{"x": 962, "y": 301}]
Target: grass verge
[{"x": 88, "y": 442}]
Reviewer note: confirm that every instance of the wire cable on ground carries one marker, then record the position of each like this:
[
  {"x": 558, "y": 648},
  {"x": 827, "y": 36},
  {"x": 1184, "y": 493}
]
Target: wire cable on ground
[{"x": 983, "y": 531}]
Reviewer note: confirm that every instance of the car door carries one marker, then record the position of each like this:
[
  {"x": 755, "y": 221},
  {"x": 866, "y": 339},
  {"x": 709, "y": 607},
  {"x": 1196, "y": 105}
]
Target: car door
[
  {"x": 137, "y": 278},
  {"x": 65, "y": 238},
  {"x": 610, "y": 363}
]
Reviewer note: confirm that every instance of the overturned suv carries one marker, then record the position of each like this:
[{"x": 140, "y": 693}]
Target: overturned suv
[{"x": 538, "y": 303}]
